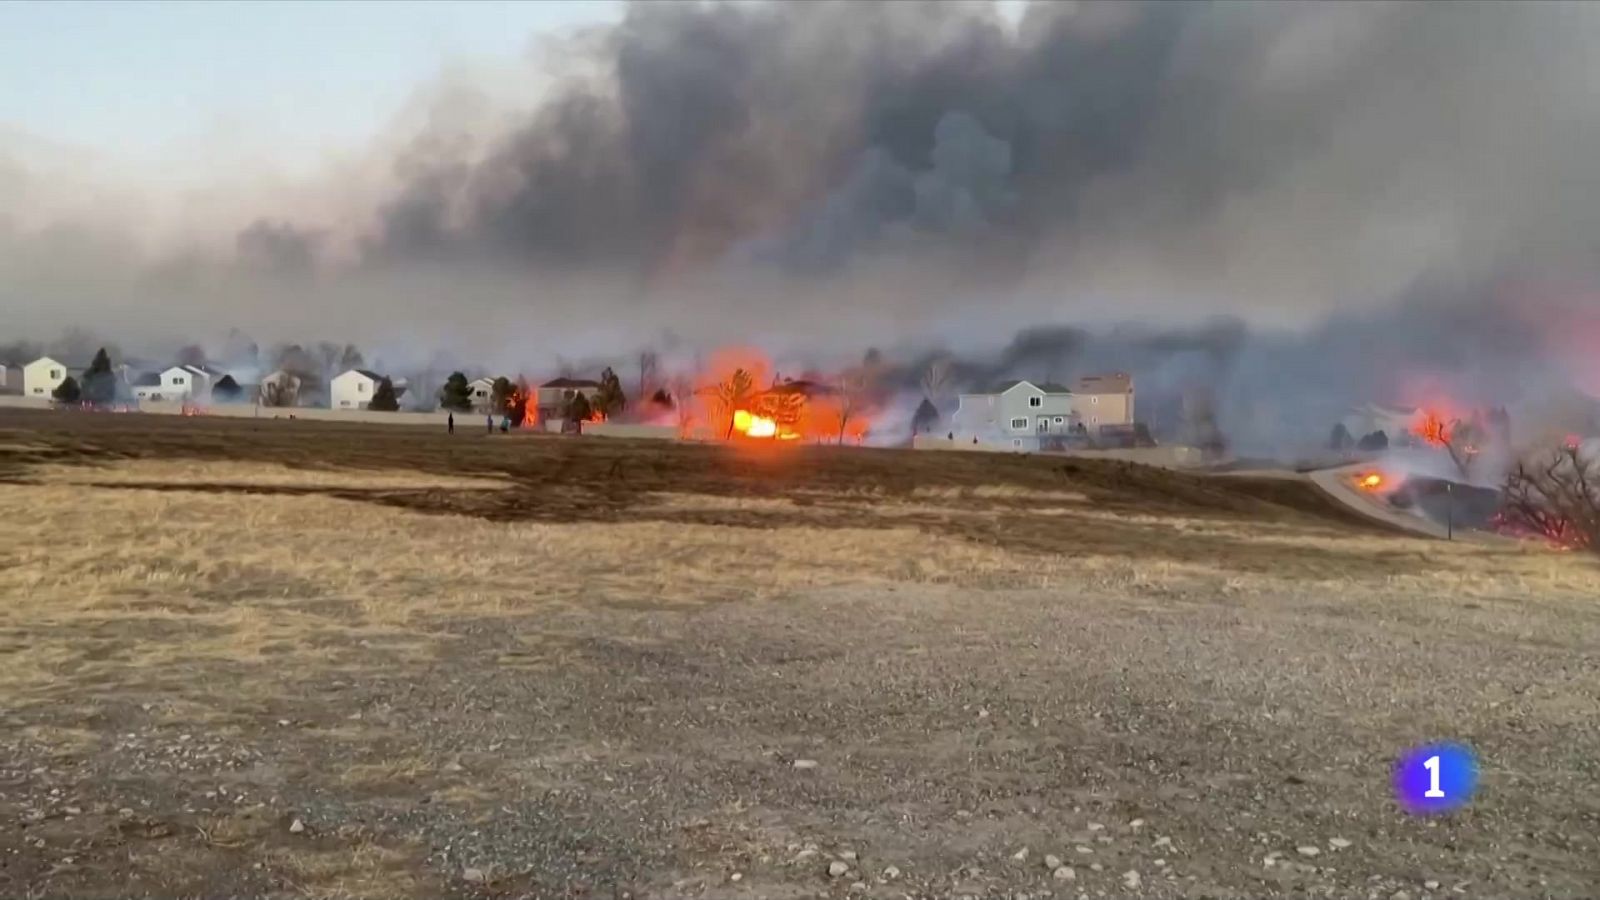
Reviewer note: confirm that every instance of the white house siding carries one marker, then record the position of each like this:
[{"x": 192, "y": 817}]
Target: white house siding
[
  {"x": 1013, "y": 418},
  {"x": 352, "y": 390},
  {"x": 184, "y": 382},
  {"x": 43, "y": 376}
]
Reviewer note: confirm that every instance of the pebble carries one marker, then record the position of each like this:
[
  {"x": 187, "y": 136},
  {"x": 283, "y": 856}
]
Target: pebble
[
  {"x": 1338, "y": 843},
  {"x": 805, "y": 854},
  {"x": 847, "y": 854},
  {"x": 1020, "y": 855},
  {"x": 1096, "y": 826},
  {"x": 737, "y": 876},
  {"x": 890, "y": 873},
  {"x": 1052, "y": 862},
  {"x": 296, "y": 827},
  {"x": 1096, "y": 867},
  {"x": 805, "y": 764},
  {"x": 1136, "y": 824},
  {"x": 1163, "y": 842},
  {"x": 1308, "y": 850},
  {"x": 837, "y": 868},
  {"x": 476, "y": 876},
  {"x": 1082, "y": 849},
  {"x": 1431, "y": 885},
  {"x": 1399, "y": 895},
  {"x": 1130, "y": 879},
  {"x": 1065, "y": 873}
]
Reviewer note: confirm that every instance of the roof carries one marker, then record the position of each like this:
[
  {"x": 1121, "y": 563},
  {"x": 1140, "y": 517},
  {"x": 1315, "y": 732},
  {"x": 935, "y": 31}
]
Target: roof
[
  {"x": 485, "y": 379},
  {"x": 148, "y": 379},
  {"x": 801, "y": 387},
  {"x": 570, "y": 383},
  {"x": 1113, "y": 383},
  {"x": 1049, "y": 387},
  {"x": 368, "y": 373}
]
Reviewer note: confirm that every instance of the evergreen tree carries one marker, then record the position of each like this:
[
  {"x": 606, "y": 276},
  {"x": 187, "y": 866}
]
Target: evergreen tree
[
  {"x": 925, "y": 418},
  {"x": 383, "y": 398},
  {"x": 578, "y": 409},
  {"x": 502, "y": 395},
  {"x": 67, "y": 391},
  {"x": 99, "y": 384},
  {"x": 456, "y": 395},
  {"x": 226, "y": 389},
  {"x": 1377, "y": 440},
  {"x": 1340, "y": 438},
  {"x": 609, "y": 399}
]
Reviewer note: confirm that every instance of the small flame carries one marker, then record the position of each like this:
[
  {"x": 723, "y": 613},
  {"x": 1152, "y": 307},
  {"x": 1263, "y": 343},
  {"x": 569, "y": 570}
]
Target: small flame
[
  {"x": 1371, "y": 481},
  {"x": 751, "y": 425}
]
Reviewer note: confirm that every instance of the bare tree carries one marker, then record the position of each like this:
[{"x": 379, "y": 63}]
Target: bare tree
[
  {"x": 731, "y": 396},
  {"x": 851, "y": 389},
  {"x": 1556, "y": 495},
  {"x": 935, "y": 381},
  {"x": 683, "y": 394},
  {"x": 648, "y": 364}
]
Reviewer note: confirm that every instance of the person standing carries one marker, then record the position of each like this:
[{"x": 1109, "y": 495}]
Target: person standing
[
  {"x": 489, "y": 421},
  {"x": 450, "y": 424}
]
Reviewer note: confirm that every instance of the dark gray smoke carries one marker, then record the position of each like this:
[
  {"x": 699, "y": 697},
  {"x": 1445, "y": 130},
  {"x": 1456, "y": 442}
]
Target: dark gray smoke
[{"x": 1301, "y": 206}]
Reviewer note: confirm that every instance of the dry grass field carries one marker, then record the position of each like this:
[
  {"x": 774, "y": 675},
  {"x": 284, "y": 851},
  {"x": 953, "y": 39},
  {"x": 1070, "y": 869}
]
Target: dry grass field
[{"x": 293, "y": 659}]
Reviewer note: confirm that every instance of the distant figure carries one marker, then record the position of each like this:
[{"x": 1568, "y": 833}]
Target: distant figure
[
  {"x": 951, "y": 436},
  {"x": 489, "y": 421},
  {"x": 974, "y": 439},
  {"x": 450, "y": 423}
]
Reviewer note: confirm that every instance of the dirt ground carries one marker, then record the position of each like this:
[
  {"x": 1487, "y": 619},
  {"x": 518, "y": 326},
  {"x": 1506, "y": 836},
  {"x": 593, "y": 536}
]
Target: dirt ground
[{"x": 294, "y": 659}]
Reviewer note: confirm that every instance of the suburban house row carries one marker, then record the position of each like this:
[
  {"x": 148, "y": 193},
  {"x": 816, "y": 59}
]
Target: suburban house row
[
  {"x": 1032, "y": 416},
  {"x": 352, "y": 389}
]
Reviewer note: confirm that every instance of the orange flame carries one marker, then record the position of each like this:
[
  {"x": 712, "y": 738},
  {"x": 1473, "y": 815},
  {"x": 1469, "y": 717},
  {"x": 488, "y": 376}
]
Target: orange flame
[
  {"x": 1432, "y": 429},
  {"x": 1371, "y": 481}
]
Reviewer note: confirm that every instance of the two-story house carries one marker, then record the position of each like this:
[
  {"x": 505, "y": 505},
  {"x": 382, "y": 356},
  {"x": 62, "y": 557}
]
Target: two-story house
[
  {"x": 1015, "y": 415},
  {"x": 41, "y": 377},
  {"x": 553, "y": 396}
]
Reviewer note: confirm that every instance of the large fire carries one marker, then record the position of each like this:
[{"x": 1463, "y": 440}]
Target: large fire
[
  {"x": 1431, "y": 428},
  {"x": 739, "y": 396}
]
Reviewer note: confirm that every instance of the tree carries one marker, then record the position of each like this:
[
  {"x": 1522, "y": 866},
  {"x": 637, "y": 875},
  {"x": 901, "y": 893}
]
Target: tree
[
  {"x": 192, "y": 355},
  {"x": 578, "y": 409},
  {"x": 226, "y": 390},
  {"x": 609, "y": 399},
  {"x": 647, "y": 373},
  {"x": 456, "y": 395},
  {"x": 925, "y": 419},
  {"x": 1377, "y": 440},
  {"x": 1340, "y": 439},
  {"x": 501, "y": 396},
  {"x": 1556, "y": 495},
  {"x": 384, "y": 398},
  {"x": 295, "y": 360},
  {"x": 67, "y": 391},
  {"x": 683, "y": 403},
  {"x": 99, "y": 382},
  {"x": 731, "y": 396},
  {"x": 936, "y": 381}
]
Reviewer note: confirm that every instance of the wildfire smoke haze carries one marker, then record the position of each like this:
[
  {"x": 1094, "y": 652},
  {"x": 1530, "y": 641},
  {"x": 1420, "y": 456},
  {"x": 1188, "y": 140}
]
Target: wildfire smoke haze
[{"x": 1297, "y": 206}]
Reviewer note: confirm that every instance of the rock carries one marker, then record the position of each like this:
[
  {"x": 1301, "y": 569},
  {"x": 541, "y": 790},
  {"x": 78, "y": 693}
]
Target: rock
[
  {"x": 1431, "y": 885},
  {"x": 1096, "y": 826},
  {"x": 1096, "y": 867},
  {"x": 890, "y": 873},
  {"x": 1052, "y": 862},
  {"x": 1136, "y": 824},
  {"x": 858, "y": 886},
  {"x": 805, "y": 854},
  {"x": 1308, "y": 850},
  {"x": 1399, "y": 895},
  {"x": 736, "y": 877},
  {"x": 805, "y": 764},
  {"x": 847, "y": 854},
  {"x": 476, "y": 876},
  {"x": 1131, "y": 880},
  {"x": 1162, "y": 842},
  {"x": 453, "y": 766},
  {"x": 1338, "y": 843},
  {"x": 1020, "y": 855},
  {"x": 297, "y": 827},
  {"x": 1064, "y": 873},
  {"x": 1082, "y": 849},
  {"x": 837, "y": 868}
]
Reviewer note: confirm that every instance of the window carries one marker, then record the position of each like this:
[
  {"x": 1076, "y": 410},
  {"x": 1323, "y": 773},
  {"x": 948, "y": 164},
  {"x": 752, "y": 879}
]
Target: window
[
  {"x": 1059, "y": 420},
  {"x": 1044, "y": 424},
  {"x": 38, "y": 390},
  {"x": 1095, "y": 400},
  {"x": 344, "y": 402},
  {"x": 1019, "y": 422},
  {"x": 1035, "y": 402},
  {"x": 177, "y": 379},
  {"x": 1016, "y": 442},
  {"x": 55, "y": 373},
  {"x": 361, "y": 387}
]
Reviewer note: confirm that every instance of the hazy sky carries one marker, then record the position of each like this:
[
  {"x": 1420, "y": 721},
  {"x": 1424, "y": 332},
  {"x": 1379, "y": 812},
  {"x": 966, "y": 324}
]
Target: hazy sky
[{"x": 144, "y": 81}]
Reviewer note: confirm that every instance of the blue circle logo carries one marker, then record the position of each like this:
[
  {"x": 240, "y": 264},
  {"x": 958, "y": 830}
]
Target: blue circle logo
[{"x": 1436, "y": 778}]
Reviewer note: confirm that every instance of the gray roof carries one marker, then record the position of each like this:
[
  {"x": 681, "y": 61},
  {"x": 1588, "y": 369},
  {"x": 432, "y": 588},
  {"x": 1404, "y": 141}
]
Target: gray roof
[
  {"x": 1049, "y": 387},
  {"x": 570, "y": 383},
  {"x": 369, "y": 373},
  {"x": 1113, "y": 383},
  {"x": 148, "y": 379}
]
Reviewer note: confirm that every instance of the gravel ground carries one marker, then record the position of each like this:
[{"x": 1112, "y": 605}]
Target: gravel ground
[{"x": 880, "y": 743}]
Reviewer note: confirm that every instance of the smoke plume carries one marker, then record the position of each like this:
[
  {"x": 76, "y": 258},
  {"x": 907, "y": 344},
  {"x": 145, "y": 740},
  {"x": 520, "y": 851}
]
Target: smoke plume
[{"x": 1298, "y": 205}]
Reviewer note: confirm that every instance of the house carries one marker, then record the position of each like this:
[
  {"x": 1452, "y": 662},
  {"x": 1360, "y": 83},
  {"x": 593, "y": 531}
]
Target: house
[
  {"x": 191, "y": 383},
  {"x": 41, "y": 377},
  {"x": 148, "y": 387},
  {"x": 10, "y": 379},
  {"x": 1017, "y": 414},
  {"x": 482, "y": 393},
  {"x": 353, "y": 389},
  {"x": 554, "y": 395},
  {"x": 1103, "y": 400}
]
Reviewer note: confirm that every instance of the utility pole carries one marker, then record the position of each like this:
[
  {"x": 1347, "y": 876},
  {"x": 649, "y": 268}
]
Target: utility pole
[{"x": 1449, "y": 511}]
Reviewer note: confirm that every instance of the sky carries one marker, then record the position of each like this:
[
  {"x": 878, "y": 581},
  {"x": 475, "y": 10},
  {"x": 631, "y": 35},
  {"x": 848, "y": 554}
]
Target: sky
[{"x": 142, "y": 82}]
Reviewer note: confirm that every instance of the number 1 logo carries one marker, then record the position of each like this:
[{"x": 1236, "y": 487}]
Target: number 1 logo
[
  {"x": 1432, "y": 765},
  {"x": 1435, "y": 778}
]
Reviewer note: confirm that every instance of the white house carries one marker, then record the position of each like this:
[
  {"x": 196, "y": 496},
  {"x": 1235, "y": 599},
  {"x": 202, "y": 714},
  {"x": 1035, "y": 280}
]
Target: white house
[
  {"x": 1015, "y": 415},
  {"x": 482, "y": 395},
  {"x": 354, "y": 389},
  {"x": 42, "y": 376},
  {"x": 183, "y": 383},
  {"x": 10, "y": 379}
]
